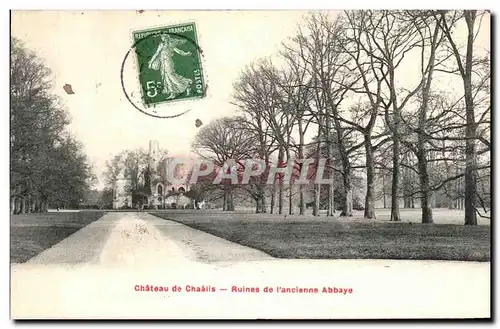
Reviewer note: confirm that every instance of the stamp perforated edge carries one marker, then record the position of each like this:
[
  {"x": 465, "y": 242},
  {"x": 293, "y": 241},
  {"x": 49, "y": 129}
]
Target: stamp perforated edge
[{"x": 200, "y": 60}]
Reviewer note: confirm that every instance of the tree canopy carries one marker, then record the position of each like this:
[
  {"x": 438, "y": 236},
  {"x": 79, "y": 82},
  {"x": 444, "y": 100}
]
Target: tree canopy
[{"x": 48, "y": 165}]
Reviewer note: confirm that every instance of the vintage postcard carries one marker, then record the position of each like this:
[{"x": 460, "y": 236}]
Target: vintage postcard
[{"x": 250, "y": 164}]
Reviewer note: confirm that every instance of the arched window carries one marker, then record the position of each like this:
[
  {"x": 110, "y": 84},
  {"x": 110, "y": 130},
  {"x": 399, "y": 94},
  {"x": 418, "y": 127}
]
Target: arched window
[
  {"x": 159, "y": 189},
  {"x": 173, "y": 189},
  {"x": 182, "y": 190}
]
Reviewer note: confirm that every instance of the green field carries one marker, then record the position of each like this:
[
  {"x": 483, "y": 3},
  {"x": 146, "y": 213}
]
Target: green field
[
  {"x": 31, "y": 234},
  {"x": 335, "y": 238}
]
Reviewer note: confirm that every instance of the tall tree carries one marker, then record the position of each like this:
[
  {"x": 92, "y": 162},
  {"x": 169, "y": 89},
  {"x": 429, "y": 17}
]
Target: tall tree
[
  {"x": 253, "y": 96},
  {"x": 464, "y": 62},
  {"x": 387, "y": 38},
  {"x": 226, "y": 145},
  {"x": 47, "y": 163},
  {"x": 320, "y": 47}
]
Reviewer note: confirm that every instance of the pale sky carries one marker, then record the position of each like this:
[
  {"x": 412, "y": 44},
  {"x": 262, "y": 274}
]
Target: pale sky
[{"x": 86, "y": 50}]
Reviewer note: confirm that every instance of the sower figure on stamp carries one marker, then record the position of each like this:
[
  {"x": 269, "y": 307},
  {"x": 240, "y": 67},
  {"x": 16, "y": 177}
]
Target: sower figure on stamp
[{"x": 173, "y": 83}]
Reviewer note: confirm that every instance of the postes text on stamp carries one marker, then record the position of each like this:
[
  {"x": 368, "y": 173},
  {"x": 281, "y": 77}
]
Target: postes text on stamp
[{"x": 169, "y": 63}]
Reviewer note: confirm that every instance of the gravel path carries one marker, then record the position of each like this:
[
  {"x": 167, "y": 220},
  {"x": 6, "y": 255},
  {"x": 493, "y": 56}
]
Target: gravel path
[
  {"x": 131, "y": 239},
  {"x": 135, "y": 241},
  {"x": 204, "y": 247}
]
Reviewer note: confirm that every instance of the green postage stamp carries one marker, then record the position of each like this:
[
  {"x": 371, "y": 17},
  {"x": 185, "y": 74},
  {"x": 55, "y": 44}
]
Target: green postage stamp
[{"x": 169, "y": 63}]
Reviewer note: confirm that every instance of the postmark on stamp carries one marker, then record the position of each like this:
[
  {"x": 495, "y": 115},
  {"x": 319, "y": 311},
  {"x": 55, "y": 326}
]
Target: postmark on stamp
[{"x": 169, "y": 65}]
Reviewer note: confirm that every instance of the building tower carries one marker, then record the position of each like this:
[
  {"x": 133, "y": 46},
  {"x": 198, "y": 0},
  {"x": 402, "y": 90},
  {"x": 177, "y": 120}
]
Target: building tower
[
  {"x": 161, "y": 189},
  {"x": 154, "y": 154}
]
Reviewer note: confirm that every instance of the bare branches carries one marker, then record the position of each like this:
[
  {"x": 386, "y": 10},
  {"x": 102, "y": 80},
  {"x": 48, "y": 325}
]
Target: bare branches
[{"x": 345, "y": 77}]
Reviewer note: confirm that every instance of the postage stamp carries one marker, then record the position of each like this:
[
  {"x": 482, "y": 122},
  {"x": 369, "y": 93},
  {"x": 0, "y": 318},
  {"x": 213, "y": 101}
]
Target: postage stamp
[{"x": 169, "y": 64}]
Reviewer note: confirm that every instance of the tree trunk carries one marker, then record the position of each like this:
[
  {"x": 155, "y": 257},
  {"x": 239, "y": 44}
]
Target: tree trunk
[
  {"x": 329, "y": 163},
  {"x": 457, "y": 197},
  {"x": 422, "y": 140},
  {"x": 396, "y": 145},
  {"x": 470, "y": 179},
  {"x": 28, "y": 203},
  {"x": 383, "y": 191},
  {"x": 470, "y": 131},
  {"x": 33, "y": 203},
  {"x": 424, "y": 179},
  {"x": 230, "y": 203},
  {"x": 281, "y": 195},
  {"x": 17, "y": 205},
  {"x": 347, "y": 209},
  {"x": 331, "y": 200},
  {"x": 317, "y": 195},
  {"x": 263, "y": 201},
  {"x": 330, "y": 209},
  {"x": 260, "y": 201},
  {"x": 470, "y": 143},
  {"x": 273, "y": 196},
  {"x": 23, "y": 204},
  {"x": 395, "y": 215},
  {"x": 370, "y": 180},
  {"x": 424, "y": 187},
  {"x": 317, "y": 187},
  {"x": 12, "y": 205},
  {"x": 450, "y": 186},
  {"x": 224, "y": 201},
  {"x": 302, "y": 203},
  {"x": 258, "y": 205},
  {"x": 290, "y": 185}
]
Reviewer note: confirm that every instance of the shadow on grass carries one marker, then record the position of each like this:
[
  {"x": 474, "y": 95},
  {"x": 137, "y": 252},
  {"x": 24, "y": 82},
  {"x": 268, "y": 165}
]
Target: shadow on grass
[
  {"x": 31, "y": 234},
  {"x": 336, "y": 239}
]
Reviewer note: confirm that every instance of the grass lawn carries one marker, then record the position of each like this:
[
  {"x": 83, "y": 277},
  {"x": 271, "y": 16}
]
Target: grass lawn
[
  {"x": 342, "y": 239},
  {"x": 31, "y": 234}
]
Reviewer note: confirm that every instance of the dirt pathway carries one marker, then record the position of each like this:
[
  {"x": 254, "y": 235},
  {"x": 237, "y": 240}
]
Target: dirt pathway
[
  {"x": 134, "y": 241},
  {"x": 129, "y": 239},
  {"x": 203, "y": 247}
]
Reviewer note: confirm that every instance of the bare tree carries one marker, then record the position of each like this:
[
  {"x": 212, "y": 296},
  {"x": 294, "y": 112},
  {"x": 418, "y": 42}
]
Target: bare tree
[
  {"x": 223, "y": 140},
  {"x": 372, "y": 75},
  {"x": 253, "y": 97},
  {"x": 320, "y": 49},
  {"x": 431, "y": 38},
  {"x": 388, "y": 36},
  {"x": 296, "y": 84},
  {"x": 260, "y": 96},
  {"x": 465, "y": 67}
]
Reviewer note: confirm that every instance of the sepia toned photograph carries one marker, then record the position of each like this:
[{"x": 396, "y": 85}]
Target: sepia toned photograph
[{"x": 244, "y": 164}]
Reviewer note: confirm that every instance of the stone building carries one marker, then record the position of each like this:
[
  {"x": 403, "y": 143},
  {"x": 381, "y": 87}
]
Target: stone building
[{"x": 162, "y": 194}]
